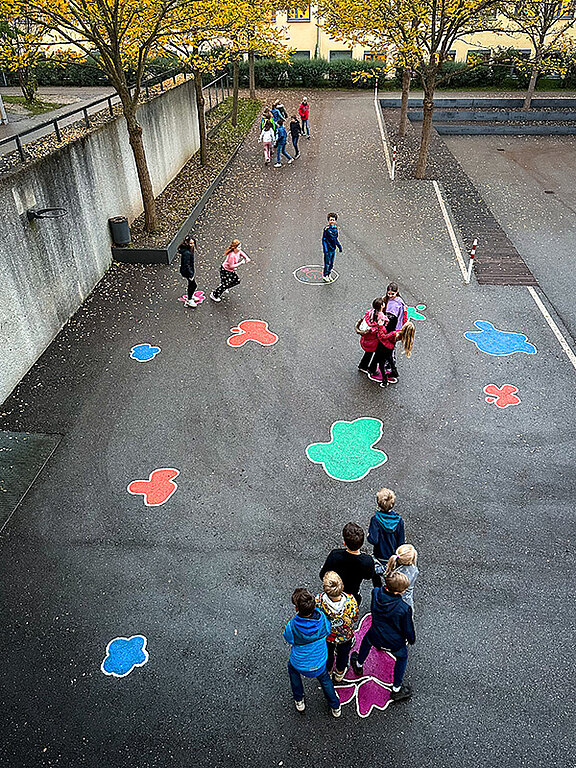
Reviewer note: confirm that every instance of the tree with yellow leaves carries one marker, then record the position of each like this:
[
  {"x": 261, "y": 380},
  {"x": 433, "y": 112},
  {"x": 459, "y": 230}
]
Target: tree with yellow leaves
[
  {"x": 125, "y": 35},
  {"x": 21, "y": 45},
  {"x": 545, "y": 23},
  {"x": 419, "y": 31}
]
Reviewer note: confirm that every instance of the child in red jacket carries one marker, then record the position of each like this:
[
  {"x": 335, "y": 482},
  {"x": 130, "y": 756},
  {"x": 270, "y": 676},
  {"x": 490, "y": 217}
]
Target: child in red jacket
[{"x": 304, "y": 112}]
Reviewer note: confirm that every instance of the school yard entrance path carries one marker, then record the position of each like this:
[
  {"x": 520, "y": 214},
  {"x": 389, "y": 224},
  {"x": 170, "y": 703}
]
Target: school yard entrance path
[{"x": 201, "y": 575}]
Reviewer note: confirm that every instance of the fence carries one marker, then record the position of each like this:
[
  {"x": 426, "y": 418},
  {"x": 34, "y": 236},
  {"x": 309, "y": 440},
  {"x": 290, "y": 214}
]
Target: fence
[{"x": 216, "y": 94}]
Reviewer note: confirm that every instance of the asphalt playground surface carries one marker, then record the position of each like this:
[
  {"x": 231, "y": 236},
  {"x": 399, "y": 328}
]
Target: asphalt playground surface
[{"x": 487, "y": 493}]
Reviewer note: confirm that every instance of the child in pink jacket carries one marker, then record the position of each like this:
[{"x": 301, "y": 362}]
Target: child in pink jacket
[{"x": 228, "y": 276}]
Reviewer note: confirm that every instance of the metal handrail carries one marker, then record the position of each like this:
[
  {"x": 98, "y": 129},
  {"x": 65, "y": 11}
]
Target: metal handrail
[{"x": 147, "y": 84}]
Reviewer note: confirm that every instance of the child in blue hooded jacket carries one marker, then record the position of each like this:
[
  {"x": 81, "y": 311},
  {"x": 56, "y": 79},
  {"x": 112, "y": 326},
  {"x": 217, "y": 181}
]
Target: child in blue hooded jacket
[
  {"x": 329, "y": 244},
  {"x": 307, "y": 633},
  {"x": 386, "y": 531}
]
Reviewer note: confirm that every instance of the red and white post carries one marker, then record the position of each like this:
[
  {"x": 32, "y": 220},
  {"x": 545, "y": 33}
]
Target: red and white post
[
  {"x": 393, "y": 171},
  {"x": 471, "y": 262}
]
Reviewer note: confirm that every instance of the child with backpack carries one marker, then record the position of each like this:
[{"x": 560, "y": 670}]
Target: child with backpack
[
  {"x": 306, "y": 633},
  {"x": 342, "y": 612}
]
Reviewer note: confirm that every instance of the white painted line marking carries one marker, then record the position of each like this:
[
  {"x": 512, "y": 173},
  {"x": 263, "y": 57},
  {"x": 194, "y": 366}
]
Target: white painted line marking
[
  {"x": 382, "y": 132},
  {"x": 555, "y": 330},
  {"x": 451, "y": 232}
]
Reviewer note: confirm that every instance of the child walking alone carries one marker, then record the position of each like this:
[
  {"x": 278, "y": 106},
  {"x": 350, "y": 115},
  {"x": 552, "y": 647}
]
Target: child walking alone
[
  {"x": 228, "y": 276},
  {"x": 329, "y": 244},
  {"x": 342, "y": 612},
  {"x": 267, "y": 138},
  {"x": 304, "y": 112},
  {"x": 386, "y": 530},
  {"x": 404, "y": 561},
  {"x": 306, "y": 633}
]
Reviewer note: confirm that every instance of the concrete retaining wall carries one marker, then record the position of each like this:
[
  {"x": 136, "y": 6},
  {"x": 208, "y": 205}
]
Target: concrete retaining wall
[{"x": 48, "y": 267}]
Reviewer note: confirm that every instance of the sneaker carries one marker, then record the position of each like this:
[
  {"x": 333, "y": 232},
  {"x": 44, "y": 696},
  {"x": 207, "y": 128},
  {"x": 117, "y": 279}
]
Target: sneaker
[
  {"x": 190, "y": 303},
  {"x": 404, "y": 693},
  {"x": 291, "y": 160},
  {"x": 337, "y": 712},
  {"x": 277, "y": 165},
  {"x": 384, "y": 384},
  {"x": 300, "y": 705},
  {"x": 392, "y": 380},
  {"x": 326, "y": 278},
  {"x": 215, "y": 298},
  {"x": 297, "y": 156},
  {"x": 375, "y": 376},
  {"x": 358, "y": 669},
  {"x": 227, "y": 290},
  {"x": 339, "y": 676}
]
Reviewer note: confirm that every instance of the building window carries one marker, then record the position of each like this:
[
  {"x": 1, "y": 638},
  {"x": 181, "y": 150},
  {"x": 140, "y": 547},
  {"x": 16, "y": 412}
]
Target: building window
[
  {"x": 478, "y": 56},
  {"x": 298, "y": 14},
  {"x": 300, "y": 55},
  {"x": 340, "y": 55},
  {"x": 374, "y": 56},
  {"x": 451, "y": 55}
]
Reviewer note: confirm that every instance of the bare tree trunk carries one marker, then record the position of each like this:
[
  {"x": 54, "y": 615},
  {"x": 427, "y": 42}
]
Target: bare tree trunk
[
  {"x": 406, "y": 77},
  {"x": 531, "y": 89},
  {"x": 135, "y": 135},
  {"x": 251, "y": 75},
  {"x": 235, "y": 86},
  {"x": 201, "y": 117},
  {"x": 28, "y": 84},
  {"x": 429, "y": 86}
]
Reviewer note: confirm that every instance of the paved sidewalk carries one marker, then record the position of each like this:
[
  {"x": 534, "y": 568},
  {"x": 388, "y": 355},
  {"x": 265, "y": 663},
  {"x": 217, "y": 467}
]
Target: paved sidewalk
[
  {"x": 486, "y": 493},
  {"x": 75, "y": 98}
]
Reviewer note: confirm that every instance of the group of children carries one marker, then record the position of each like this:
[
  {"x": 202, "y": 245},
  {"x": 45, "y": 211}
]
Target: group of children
[
  {"x": 273, "y": 131},
  {"x": 321, "y": 634}
]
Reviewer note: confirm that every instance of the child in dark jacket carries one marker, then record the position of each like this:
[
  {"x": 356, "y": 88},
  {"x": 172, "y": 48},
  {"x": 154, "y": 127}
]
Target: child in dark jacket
[
  {"x": 392, "y": 630},
  {"x": 307, "y": 633},
  {"x": 329, "y": 244},
  {"x": 350, "y": 564},
  {"x": 295, "y": 133},
  {"x": 186, "y": 250},
  {"x": 386, "y": 531}
]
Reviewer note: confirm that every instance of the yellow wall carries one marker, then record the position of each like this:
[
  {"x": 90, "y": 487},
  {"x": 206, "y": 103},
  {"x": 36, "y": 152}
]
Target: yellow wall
[{"x": 305, "y": 35}]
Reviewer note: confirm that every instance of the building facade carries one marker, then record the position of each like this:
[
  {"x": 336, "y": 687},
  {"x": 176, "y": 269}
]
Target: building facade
[{"x": 305, "y": 34}]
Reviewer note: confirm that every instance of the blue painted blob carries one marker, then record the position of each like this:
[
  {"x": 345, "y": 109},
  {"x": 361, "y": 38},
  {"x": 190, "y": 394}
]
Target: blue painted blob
[
  {"x": 144, "y": 352},
  {"x": 123, "y": 654},
  {"x": 494, "y": 342}
]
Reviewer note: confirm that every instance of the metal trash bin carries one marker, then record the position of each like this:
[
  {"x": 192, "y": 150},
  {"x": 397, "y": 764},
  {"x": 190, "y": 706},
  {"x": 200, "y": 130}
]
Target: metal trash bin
[{"x": 120, "y": 231}]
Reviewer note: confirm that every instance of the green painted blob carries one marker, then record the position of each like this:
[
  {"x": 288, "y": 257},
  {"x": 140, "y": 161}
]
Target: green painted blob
[
  {"x": 350, "y": 454},
  {"x": 414, "y": 313}
]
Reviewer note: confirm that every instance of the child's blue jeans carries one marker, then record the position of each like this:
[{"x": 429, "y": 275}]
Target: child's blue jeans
[
  {"x": 328, "y": 262},
  {"x": 401, "y": 655},
  {"x": 323, "y": 678},
  {"x": 281, "y": 150}
]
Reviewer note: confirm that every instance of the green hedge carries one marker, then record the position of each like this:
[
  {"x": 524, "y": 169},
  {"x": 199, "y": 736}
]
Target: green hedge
[
  {"x": 320, "y": 73},
  {"x": 308, "y": 73}
]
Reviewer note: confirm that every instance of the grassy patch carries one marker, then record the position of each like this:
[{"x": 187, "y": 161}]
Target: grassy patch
[{"x": 35, "y": 107}]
